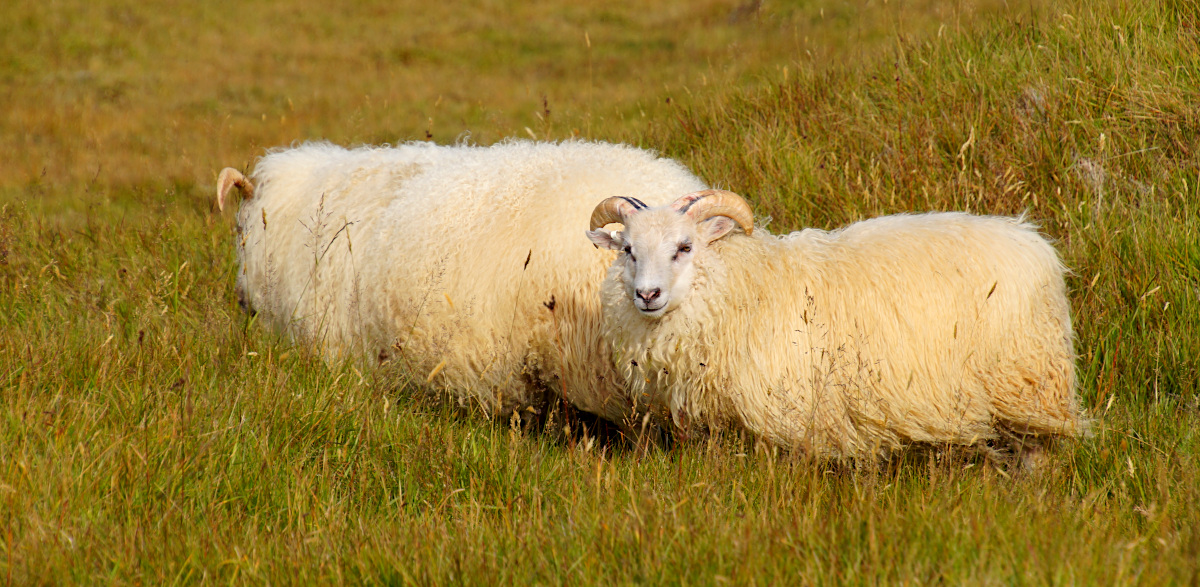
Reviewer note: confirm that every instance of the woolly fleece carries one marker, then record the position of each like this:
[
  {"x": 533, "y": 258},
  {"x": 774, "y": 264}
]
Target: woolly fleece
[
  {"x": 931, "y": 328},
  {"x": 448, "y": 258}
]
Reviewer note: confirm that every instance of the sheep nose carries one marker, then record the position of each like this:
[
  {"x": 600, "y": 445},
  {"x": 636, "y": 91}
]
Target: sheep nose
[{"x": 649, "y": 295}]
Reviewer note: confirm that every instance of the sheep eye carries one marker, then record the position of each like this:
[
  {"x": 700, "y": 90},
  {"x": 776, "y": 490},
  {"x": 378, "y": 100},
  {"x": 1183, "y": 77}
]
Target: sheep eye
[
  {"x": 685, "y": 248},
  {"x": 629, "y": 251}
]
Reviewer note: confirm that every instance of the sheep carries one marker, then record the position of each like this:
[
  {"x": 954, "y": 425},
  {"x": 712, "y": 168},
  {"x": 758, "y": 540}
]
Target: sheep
[
  {"x": 922, "y": 329},
  {"x": 455, "y": 260}
]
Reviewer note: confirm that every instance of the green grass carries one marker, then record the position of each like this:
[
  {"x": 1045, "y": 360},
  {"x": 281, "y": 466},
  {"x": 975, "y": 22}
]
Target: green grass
[{"x": 152, "y": 433}]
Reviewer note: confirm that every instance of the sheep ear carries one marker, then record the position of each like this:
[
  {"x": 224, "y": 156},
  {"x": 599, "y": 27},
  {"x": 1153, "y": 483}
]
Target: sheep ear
[
  {"x": 606, "y": 240},
  {"x": 715, "y": 228}
]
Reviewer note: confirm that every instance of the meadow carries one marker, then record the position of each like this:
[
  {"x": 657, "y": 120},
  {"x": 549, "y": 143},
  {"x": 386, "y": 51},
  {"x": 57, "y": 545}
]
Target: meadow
[{"x": 150, "y": 432}]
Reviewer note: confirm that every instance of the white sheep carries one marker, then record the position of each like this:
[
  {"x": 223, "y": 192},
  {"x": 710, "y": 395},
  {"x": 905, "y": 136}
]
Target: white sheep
[
  {"x": 909, "y": 329},
  {"x": 455, "y": 259}
]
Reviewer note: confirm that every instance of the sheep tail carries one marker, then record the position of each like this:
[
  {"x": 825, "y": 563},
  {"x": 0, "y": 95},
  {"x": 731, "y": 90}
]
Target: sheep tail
[{"x": 229, "y": 179}]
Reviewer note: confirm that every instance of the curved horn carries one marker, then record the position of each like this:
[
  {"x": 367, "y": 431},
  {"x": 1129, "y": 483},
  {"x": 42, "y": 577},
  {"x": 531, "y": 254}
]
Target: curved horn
[
  {"x": 615, "y": 209},
  {"x": 705, "y": 204},
  {"x": 228, "y": 179}
]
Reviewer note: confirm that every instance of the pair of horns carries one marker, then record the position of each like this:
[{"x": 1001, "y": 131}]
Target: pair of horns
[
  {"x": 229, "y": 179},
  {"x": 699, "y": 206}
]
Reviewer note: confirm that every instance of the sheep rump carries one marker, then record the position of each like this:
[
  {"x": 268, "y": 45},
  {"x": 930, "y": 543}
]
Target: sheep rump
[
  {"x": 934, "y": 328},
  {"x": 448, "y": 258}
]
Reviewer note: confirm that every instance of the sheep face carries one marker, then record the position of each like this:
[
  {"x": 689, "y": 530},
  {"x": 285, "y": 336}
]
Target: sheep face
[
  {"x": 657, "y": 252},
  {"x": 660, "y": 246}
]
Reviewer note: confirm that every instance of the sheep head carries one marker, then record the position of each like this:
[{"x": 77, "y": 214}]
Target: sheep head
[{"x": 659, "y": 244}]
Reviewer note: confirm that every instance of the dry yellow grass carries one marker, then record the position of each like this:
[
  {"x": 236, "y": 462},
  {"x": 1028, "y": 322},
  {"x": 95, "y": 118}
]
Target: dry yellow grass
[{"x": 162, "y": 93}]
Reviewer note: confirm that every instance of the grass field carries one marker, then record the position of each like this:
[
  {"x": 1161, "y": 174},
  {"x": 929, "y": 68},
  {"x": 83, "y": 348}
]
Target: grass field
[{"x": 150, "y": 434}]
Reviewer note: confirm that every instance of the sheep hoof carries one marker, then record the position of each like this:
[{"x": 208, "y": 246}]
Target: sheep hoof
[{"x": 1032, "y": 457}]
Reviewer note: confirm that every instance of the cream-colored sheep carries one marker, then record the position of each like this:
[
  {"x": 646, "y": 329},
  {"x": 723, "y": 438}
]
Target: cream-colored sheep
[
  {"x": 457, "y": 260},
  {"x": 930, "y": 328}
]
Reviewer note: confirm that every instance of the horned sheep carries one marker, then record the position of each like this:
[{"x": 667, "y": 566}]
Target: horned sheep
[
  {"x": 455, "y": 259},
  {"x": 939, "y": 328}
]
